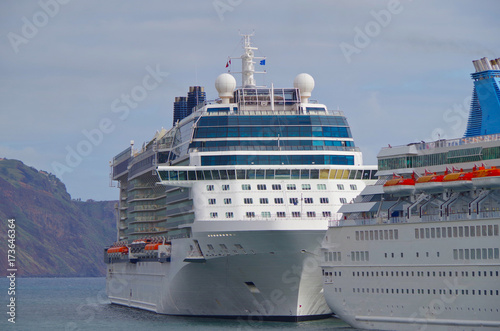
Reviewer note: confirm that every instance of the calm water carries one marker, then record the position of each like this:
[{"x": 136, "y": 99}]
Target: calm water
[{"x": 80, "y": 304}]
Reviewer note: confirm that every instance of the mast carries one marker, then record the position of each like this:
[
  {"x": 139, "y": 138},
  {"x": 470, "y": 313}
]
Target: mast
[{"x": 247, "y": 63}]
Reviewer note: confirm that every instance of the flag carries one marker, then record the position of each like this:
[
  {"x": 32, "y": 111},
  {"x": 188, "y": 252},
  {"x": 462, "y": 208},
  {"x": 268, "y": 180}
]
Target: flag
[
  {"x": 228, "y": 63},
  {"x": 263, "y": 62}
]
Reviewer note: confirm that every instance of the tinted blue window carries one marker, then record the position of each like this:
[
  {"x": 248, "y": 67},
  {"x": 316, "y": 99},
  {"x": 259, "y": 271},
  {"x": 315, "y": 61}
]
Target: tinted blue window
[
  {"x": 271, "y": 120},
  {"x": 277, "y": 159},
  {"x": 218, "y": 109},
  {"x": 221, "y": 132},
  {"x": 270, "y": 143},
  {"x": 271, "y": 126}
]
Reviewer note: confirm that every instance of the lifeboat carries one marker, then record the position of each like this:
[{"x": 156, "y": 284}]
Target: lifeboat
[
  {"x": 118, "y": 249},
  {"x": 486, "y": 178},
  {"x": 151, "y": 247},
  {"x": 458, "y": 181},
  {"x": 399, "y": 186},
  {"x": 430, "y": 183}
]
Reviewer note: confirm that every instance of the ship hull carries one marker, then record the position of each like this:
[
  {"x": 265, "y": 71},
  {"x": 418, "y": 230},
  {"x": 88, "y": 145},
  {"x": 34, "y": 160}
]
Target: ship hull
[
  {"x": 411, "y": 283},
  {"x": 276, "y": 276}
]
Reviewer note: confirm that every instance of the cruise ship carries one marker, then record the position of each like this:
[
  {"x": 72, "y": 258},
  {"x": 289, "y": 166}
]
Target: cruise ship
[
  {"x": 223, "y": 215},
  {"x": 419, "y": 250}
]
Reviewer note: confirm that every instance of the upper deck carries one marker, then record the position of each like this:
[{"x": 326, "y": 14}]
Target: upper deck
[{"x": 436, "y": 156}]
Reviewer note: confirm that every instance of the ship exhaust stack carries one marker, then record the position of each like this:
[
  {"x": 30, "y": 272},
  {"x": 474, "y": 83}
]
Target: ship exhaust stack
[{"x": 484, "y": 116}]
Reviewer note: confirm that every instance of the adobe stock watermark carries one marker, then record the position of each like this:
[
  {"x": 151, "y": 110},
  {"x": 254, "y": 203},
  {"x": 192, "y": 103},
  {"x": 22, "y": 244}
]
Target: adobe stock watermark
[
  {"x": 88, "y": 310},
  {"x": 30, "y": 28},
  {"x": 121, "y": 106},
  {"x": 222, "y": 6},
  {"x": 372, "y": 29},
  {"x": 456, "y": 116},
  {"x": 425, "y": 317},
  {"x": 310, "y": 266}
]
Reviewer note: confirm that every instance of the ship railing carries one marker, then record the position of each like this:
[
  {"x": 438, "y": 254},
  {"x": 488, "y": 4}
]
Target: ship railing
[
  {"x": 358, "y": 221},
  {"x": 454, "y": 142},
  {"x": 473, "y": 216},
  {"x": 336, "y": 112},
  {"x": 397, "y": 220},
  {"x": 142, "y": 197},
  {"x": 430, "y": 218},
  {"x": 416, "y": 219},
  {"x": 335, "y": 223},
  {"x": 125, "y": 154},
  {"x": 164, "y": 145},
  {"x": 146, "y": 207},
  {"x": 489, "y": 214},
  {"x": 141, "y": 186},
  {"x": 149, "y": 230},
  {"x": 203, "y": 104},
  {"x": 146, "y": 218},
  {"x": 458, "y": 216}
]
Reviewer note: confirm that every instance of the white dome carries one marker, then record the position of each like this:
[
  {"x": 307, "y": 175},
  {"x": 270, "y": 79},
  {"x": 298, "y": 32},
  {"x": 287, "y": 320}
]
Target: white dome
[
  {"x": 225, "y": 85},
  {"x": 305, "y": 83}
]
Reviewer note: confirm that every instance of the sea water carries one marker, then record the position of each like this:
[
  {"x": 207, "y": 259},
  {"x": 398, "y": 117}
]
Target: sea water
[{"x": 72, "y": 304}]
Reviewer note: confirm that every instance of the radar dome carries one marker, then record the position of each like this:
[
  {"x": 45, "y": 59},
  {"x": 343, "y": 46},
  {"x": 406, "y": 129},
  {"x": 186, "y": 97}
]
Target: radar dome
[
  {"x": 305, "y": 83},
  {"x": 225, "y": 85}
]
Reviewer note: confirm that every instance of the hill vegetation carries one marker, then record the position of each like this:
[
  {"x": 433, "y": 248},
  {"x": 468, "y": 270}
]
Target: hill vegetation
[{"x": 55, "y": 235}]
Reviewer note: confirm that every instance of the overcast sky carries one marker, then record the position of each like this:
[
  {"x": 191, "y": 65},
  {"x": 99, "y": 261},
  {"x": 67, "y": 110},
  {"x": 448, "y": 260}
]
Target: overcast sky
[{"x": 400, "y": 70}]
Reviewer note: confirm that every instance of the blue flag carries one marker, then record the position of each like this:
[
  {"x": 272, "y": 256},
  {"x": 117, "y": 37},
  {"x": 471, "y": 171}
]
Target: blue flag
[{"x": 263, "y": 62}]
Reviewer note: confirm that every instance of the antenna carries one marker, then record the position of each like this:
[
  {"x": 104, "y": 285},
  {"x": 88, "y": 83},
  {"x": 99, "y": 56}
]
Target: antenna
[{"x": 247, "y": 62}]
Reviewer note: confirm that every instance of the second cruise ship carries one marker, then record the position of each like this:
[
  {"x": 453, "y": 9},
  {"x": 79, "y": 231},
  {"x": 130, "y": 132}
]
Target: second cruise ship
[{"x": 420, "y": 249}]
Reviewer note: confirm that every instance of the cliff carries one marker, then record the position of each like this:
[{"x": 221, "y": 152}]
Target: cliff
[{"x": 55, "y": 236}]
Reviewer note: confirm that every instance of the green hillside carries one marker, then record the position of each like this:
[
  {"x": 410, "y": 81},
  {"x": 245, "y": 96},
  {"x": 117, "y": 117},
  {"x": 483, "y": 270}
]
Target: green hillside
[{"x": 55, "y": 236}]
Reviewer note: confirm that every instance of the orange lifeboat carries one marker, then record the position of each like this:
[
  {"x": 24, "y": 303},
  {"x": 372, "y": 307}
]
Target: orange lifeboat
[
  {"x": 151, "y": 247},
  {"x": 118, "y": 249},
  {"x": 430, "y": 183},
  {"x": 399, "y": 186},
  {"x": 458, "y": 181},
  {"x": 486, "y": 178},
  {"x": 123, "y": 249}
]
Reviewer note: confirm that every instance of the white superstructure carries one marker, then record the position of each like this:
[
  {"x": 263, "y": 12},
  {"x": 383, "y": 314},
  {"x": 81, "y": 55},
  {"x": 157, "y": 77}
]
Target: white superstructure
[
  {"x": 223, "y": 214},
  {"x": 420, "y": 249}
]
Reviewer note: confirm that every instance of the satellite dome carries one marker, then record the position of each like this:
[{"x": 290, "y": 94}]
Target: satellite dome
[
  {"x": 225, "y": 85},
  {"x": 305, "y": 83}
]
